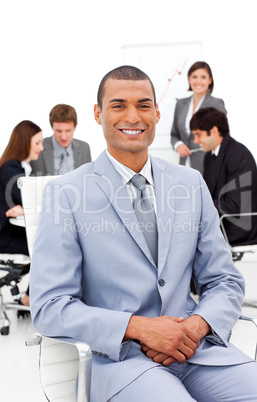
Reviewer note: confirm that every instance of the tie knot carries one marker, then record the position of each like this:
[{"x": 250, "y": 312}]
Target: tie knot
[{"x": 138, "y": 181}]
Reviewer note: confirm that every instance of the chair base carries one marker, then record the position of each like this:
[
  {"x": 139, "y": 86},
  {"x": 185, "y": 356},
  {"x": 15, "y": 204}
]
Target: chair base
[{"x": 15, "y": 266}]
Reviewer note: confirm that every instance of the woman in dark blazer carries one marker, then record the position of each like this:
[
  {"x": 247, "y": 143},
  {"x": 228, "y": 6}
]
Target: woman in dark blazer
[
  {"x": 25, "y": 144},
  {"x": 201, "y": 83}
]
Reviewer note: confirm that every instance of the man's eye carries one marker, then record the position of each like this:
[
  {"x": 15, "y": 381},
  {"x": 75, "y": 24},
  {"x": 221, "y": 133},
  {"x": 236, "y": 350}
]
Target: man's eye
[
  {"x": 144, "y": 106},
  {"x": 117, "y": 106}
]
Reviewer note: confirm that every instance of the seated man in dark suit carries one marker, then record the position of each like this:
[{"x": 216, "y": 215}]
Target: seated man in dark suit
[
  {"x": 62, "y": 153},
  {"x": 230, "y": 173}
]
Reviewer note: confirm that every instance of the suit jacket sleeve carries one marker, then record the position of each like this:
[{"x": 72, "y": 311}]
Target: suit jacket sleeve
[
  {"x": 239, "y": 166},
  {"x": 61, "y": 310},
  {"x": 10, "y": 172},
  {"x": 218, "y": 282},
  {"x": 175, "y": 133},
  {"x": 82, "y": 153}
]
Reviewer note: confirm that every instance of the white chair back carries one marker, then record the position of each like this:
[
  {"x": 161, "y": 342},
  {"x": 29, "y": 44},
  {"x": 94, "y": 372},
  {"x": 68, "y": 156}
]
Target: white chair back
[
  {"x": 62, "y": 362},
  {"x": 32, "y": 189}
]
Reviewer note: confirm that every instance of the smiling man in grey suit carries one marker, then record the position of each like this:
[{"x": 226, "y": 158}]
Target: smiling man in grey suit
[
  {"x": 102, "y": 281},
  {"x": 62, "y": 153}
]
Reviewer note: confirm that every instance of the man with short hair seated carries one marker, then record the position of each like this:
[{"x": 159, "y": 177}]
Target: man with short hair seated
[
  {"x": 230, "y": 173},
  {"x": 62, "y": 153},
  {"x": 117, "y": 244}
]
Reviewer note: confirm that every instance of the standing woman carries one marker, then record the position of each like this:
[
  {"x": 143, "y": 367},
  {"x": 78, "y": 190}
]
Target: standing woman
[
  {"x": 201, "y": 82},
  {"x": 25, "y": 145}
]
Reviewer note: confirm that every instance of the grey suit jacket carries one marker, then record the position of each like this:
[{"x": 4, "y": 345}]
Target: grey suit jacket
[
  {"x": 98, "y": 270},
  {"x": 178, "y": 131},
  {"x": 45, "y": 163}
]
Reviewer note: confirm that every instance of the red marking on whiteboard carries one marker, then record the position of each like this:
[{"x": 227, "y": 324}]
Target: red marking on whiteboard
[{"x": 176, "y": 72}]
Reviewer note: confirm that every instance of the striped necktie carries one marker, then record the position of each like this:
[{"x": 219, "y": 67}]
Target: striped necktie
[
  {"x": 145, "y": 214},
  {"x": 64, "y": 162}
]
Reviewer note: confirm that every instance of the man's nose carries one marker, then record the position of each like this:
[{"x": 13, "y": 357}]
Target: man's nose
[
  {"x": 195, "y": 140},
  {"x": 132, "y": 115}
]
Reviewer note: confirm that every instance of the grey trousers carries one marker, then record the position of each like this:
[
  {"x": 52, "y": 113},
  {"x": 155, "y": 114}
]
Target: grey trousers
[{"x": 191, "y": 382}]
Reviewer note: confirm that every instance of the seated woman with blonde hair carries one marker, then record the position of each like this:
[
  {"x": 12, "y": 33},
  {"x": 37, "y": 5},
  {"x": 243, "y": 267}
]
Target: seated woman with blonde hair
[{"x": 25, "y": 145}]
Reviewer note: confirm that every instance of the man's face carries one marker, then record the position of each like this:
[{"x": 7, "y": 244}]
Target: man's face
[
  {"x": 207, "y": 142},
  {"x": 63, "y": 132},
  {"x": 128, "y": 116}
]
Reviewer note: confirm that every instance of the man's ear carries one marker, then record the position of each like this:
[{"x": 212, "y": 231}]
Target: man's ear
[
  {"x": 158, "y": 113},
  {"x": 97, "y": 113},
  {"x": 215, "y": 131}
]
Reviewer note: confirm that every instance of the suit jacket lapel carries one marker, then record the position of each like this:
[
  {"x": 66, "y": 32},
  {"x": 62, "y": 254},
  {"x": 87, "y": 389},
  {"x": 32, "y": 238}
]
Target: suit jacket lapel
[
  {"x": 111, "y": 184},
  {"x": 48, "y": 155},
  {"x": 76, "y": 154},
  {"x": 206, "y": 100},
  {"x": 219, "y": 161},
  {"x": 182, "y": 119}
]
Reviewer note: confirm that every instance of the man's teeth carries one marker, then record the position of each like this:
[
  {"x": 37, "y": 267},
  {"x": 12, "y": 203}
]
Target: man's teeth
[{"x": 132, "y": 132}]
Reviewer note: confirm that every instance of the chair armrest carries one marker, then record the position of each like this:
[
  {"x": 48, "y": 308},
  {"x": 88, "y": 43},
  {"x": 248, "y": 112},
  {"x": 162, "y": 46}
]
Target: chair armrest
[
  {"x": 225, "y": 216},
  {"x": 244, "y": 335},
  {"x": 245, "y": 318},
  {"x": 83, "y": 352}
]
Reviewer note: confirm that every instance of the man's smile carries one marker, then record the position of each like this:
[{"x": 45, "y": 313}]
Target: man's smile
[{"x": 131, "y": 132}]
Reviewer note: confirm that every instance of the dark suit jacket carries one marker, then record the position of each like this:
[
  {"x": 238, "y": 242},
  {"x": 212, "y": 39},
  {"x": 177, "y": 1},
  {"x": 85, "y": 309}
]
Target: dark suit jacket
[
  {"x": 232, "y": 181},
  {"x": 178, "y": 131},
  {"x": 9, "y": 197},
  {"x": 45, "y": 163}
]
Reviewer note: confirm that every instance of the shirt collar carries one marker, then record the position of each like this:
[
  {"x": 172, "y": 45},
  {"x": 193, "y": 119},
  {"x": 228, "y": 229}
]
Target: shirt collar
[
  {"x": 58, "y": 149},
  {"x": 216, "y": 151},
  {"x": 27, "y": 168},
  {"x": 127, "y": 173}
]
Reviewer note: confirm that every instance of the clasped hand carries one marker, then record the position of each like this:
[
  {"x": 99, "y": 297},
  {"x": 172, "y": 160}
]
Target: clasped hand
[{"x": 173, "y": 339}]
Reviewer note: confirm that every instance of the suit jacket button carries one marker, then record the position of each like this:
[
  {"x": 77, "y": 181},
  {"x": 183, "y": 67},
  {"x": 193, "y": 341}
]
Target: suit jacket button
[{"x": 161, "y": 282}]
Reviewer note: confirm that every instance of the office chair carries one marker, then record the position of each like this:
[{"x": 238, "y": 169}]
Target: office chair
[
  {"x": 63, "y": 362},
  {"x": 237, "y": 251},
  {"x": 13, "y": 266},
  {"x": 244, "y": 335}
]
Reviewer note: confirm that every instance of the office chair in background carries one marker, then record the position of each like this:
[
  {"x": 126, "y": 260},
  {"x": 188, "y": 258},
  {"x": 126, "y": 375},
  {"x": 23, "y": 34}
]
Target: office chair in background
[
  {"x": 237, "y": 251},
  {"x": 13, "y": 267}
]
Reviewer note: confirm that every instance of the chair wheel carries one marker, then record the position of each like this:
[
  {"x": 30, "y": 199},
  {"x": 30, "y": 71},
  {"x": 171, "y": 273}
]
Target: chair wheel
[{"x": 4, "y": 330}]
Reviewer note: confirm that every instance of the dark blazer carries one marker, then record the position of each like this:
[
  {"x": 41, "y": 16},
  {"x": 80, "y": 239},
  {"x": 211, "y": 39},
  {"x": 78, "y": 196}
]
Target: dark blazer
[
  {"x": 178, "y": 131},
  {"x": 45, "y": 163},
  {"x": 9, "y": 197},
  {"x": 232, "y": 181}
]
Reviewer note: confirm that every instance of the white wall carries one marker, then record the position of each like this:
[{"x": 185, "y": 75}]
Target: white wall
[{"x": 56, "y": 51}]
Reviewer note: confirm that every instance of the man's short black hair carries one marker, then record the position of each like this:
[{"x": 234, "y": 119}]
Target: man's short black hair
[
  {"x": 123, "y": 73},
  {"x": 206, "y": 118}
]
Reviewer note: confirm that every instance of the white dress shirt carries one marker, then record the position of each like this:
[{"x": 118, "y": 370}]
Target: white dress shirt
[
  {"x": 26, "y": 166},
  {"x": 127, "y": 174}
]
